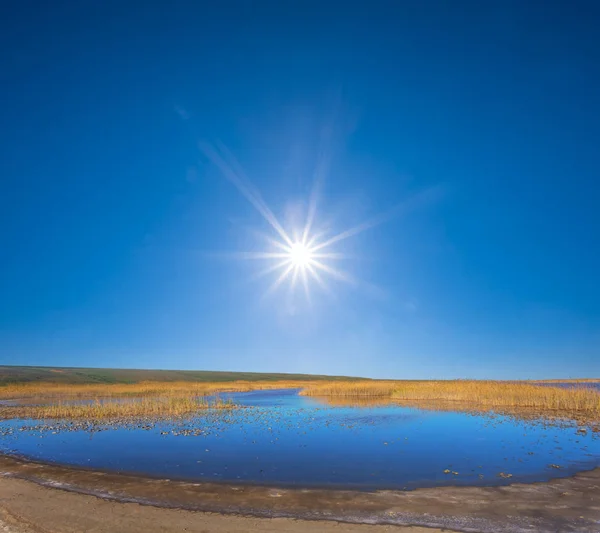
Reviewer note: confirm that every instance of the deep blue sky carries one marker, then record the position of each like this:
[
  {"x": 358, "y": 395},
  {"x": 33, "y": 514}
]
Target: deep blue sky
[{"x": 110, "y": 214}]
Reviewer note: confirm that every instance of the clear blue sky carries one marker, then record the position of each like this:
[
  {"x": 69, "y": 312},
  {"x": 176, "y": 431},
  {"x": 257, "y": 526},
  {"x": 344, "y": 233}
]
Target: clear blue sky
[{"x": 115, "y": 227}]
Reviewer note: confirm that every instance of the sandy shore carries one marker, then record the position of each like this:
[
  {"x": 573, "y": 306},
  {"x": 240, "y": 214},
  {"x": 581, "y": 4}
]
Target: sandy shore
[
  {"x": 39, "y": 498},
  {"x": 26, "y": 507}
]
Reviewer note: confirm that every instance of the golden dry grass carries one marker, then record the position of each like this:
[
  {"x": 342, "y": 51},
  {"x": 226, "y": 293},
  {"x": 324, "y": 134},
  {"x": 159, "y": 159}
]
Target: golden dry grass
[
  {"x": 502, "y": 394},
  {"x": 145, "y": 399},
  {"x": 145, "y": 388},
  {"x": 356, "y": 389},
  {"x": 577, "y": 402},
  {"x": 97, "y": 410},
  {"x": 176, "y": 398}
]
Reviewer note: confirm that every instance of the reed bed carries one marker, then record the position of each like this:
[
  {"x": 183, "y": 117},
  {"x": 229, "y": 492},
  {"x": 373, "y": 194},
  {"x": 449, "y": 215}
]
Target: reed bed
[
  {"x": 355, "y": 389},
  {"x": 177, "y": 398},
  {"x": 122, "y": 401},
  {"x": 102, "y": 410},
  {"x": 581, "y": 403},
  {"x": 503, "y": 394},
  {"x": 142, "y": 389}
]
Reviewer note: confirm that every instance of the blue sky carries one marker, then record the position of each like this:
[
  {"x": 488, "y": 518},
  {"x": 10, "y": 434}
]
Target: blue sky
[{"x": 479, "y": 119}]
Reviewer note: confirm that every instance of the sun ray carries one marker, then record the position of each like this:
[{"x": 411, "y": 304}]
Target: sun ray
[
  {"x": 246, "y": 189},
  {"x": 279, "y": 280},
  {"x": 334, "y": 272},
  {"x": 304, "y": 276},
  {"x": 320, "y": 171},
  {"x": 323, "y": 164},
  {"x": 312, "y": 239},
  {"x": 270, "y": 269},
  {"x": 294, "y": 277},
  {"x": 318, "y": 279},
  {"x": 328, "y": 255},
  {"x": 397, "y": 210},
  {"x": 278, "y": 244},
  {"x": 254, "y": 255}
]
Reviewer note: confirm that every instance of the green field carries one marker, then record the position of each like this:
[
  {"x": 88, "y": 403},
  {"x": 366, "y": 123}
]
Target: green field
[{"x": 23, "y": 374}]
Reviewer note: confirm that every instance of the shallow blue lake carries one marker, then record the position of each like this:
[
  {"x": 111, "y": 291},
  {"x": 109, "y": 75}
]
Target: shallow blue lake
[{"x": 284, "y": 439}]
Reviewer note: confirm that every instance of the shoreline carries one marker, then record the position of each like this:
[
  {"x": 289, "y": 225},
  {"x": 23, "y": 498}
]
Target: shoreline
[
  {"x": 26, "y": 507},
  {"x": 569, "y": 504}
]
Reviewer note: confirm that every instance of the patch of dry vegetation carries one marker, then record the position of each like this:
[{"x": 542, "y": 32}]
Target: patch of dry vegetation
[
  {"x": 356, "y": 389},
  {"x": 503, "y": 394},
  {"x": 143, "y": 389},
  {"x": 122, "y": 401},
  {"x": 114, "y": 410},
  {"x": 99, "y": 410},
  {"x": 178, "y": 398},
  {"x": 578, "y": 403}
]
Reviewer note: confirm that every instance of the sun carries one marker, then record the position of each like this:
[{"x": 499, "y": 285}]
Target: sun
[
  {"x": 304, "y": 253},
  {"x": 300, "y": 255}
]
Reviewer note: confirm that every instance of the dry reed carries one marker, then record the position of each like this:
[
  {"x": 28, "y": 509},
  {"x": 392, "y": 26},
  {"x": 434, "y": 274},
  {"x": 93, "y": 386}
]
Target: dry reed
[
  {"x": 577, "y": 402},
  {"x": 356, "y": 389},
  {"x": 97, "y": 410},
  {"x": 145, "y": 388},
  {"x": 175, "y": 398},
  {"x": 503, "y": 394},
  {"x": 137, "y": 400}
]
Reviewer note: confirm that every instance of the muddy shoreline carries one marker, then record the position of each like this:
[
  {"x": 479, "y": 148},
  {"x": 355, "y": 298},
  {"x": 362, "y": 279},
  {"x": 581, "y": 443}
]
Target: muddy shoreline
[{"x": 567, "y": 504}]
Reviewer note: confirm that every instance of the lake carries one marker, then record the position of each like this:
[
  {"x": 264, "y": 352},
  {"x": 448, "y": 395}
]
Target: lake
[{"x": 283, "y": 439}]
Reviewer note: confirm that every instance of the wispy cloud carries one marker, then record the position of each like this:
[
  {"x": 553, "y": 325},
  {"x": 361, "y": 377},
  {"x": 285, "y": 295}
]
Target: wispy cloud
[{"x": 183, "y": 114}]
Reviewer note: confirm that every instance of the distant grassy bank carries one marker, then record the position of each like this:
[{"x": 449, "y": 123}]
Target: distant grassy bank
[{"x": 80, "y": 376}]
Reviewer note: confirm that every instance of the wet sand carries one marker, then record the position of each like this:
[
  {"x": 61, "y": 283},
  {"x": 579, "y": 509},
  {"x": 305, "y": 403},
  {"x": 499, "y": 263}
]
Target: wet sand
[
  {"x": 29, "y": 508},
  {"x": 105, "y": 502}
]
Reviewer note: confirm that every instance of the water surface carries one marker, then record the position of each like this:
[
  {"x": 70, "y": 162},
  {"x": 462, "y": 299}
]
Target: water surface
[{"x": 283, "y": 439}]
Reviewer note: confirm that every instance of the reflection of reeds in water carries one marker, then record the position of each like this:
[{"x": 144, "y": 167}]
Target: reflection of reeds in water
[
  {"x": 577, "y": 403},
  {"x": 356, "y": 389},
  {"x": 527, "y": 414},
  {"x": 354, "y": 401},
  {"x": 152, "y": 406}
]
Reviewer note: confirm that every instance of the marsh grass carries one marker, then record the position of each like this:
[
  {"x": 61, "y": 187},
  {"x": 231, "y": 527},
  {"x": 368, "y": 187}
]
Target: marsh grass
[
  {"x": 122, "y": 401},
  {"x": 503, "y": 394},
  {"x": 355, "y": 389},
  {"x": 101, "y": 409},
  {"x": 580, "y": 403},
  {"x": 143, "y": 389},
  {"x": 179, "y": 398}
]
